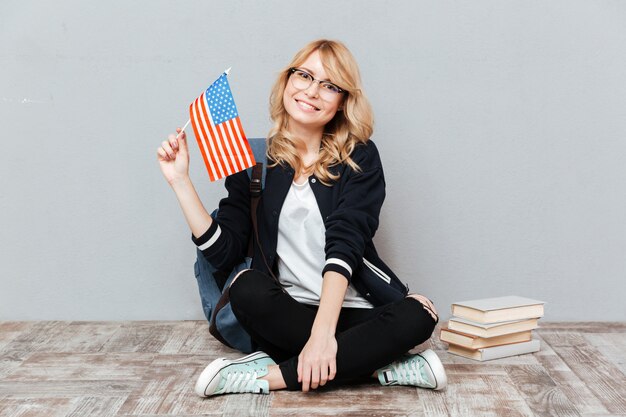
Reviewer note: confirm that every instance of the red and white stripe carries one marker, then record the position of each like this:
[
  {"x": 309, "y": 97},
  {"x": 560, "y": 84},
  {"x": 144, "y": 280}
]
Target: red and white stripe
[{"x": 224, "y": 147}]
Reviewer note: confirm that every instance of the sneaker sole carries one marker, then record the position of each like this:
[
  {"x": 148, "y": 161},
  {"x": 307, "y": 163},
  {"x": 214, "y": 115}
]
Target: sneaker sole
[
  {"x": 207, "y": 381},
  {"x": 436, "y": 367}
]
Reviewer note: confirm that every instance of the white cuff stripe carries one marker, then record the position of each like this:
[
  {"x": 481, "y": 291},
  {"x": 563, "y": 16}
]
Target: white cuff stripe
[
  {"x": 341, "y": 263},
  {"x": 211, "y": 241}
]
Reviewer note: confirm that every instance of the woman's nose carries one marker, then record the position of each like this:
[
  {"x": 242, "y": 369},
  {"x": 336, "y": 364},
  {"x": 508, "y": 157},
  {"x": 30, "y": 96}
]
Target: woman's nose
[{"x": 313, "y": 89}]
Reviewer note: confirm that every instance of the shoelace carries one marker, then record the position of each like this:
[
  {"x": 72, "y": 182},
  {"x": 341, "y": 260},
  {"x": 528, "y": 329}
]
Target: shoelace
[
  {"x": 410, "y": 372},
  {"x": 240, "y": 382}
]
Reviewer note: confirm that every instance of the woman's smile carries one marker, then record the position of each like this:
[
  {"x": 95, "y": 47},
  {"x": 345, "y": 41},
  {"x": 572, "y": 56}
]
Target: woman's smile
[{"x": 306, "y": 106}]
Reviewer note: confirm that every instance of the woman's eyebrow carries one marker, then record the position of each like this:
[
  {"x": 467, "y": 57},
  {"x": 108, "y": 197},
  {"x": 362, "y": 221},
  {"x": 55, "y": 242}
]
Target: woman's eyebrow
[{"x": 312, "y": 73}]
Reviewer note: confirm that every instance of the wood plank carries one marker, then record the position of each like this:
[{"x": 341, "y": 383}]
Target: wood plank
[
  {"x": 23, "y": 339},
  {"x": 585, "y": 326},
  {"x": 34, "y": 338},
  {"x": 139, "y": 336},
  {"x": 366, "y": 398},
  {"x": 9, "y": 330},
  {"x": 475, "y": 368},
  {"x": 479, "y": 395},
  {"x": 433, "y": 404},
  {"x": 611, "y": 345},
  {"x": 84, "y": 367},
  {"x": 96, "y": 406},
  {"x": 541, "y": 393},
  {"x": 602, "y": 378},
  {"x": 150, "y": 397},
  {"x": 65, "y": 389},
  {"x": 247, "y": 405},
  {"x": 168, "y": 388},
  {"x": 574, "y": 389},
  {"x": 81, "y": 336},
  {"x": 201, "y": 342},
  {"x": 564, "y": 338},
  {"x": 191, "y": 404},
  {"x": 35, "y": 407},
  {"x": 358, "y": 413},
  {"x": 178, "y": 336},
  {"x": 184, "y": 400},
  {"x": 10, "y": 361}
]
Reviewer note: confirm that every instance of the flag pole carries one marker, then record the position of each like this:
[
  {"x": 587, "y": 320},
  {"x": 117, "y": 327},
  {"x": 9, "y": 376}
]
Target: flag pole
[
  {"x": 184, "y": 127},
  {"x": 188, "y": 121}
]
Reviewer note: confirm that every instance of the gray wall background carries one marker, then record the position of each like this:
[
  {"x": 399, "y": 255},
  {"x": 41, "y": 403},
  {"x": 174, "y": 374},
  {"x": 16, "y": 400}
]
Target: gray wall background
[{"x": 501, "y": 125}]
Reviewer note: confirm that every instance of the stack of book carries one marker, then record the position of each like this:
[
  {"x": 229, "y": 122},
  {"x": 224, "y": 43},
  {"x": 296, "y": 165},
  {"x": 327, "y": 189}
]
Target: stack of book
[{"x": 492, "y": 328}]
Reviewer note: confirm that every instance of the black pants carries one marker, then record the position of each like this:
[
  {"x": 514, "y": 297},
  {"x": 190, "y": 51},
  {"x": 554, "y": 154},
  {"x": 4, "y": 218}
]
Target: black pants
[{"x": 367, "y": 339}]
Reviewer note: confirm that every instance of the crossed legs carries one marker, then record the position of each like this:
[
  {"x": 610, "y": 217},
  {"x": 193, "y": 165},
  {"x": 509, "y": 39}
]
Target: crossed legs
[{"x": 367, "y": 339}]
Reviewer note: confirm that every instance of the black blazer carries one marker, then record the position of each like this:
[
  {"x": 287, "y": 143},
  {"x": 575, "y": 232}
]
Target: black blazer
[{"x": 350, "y": 209}]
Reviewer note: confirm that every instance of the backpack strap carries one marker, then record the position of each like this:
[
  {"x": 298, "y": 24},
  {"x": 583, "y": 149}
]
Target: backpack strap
[
  {"x": 221, "y": 303},
  {"x": 257, "y": 184},
  {"x": 259, "y": 147}
]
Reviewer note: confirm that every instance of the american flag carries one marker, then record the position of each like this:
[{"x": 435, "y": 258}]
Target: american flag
[{"x": 218, "y": 130}]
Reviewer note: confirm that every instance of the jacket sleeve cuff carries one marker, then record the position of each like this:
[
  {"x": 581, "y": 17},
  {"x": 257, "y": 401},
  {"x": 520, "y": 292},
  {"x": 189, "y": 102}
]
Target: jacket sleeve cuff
[
  {"x": 338, "y": 265},
  {"x": 209, "y": 237}
]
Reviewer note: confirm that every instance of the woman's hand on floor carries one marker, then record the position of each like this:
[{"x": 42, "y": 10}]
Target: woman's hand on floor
[{"x": 317, "y": 361}]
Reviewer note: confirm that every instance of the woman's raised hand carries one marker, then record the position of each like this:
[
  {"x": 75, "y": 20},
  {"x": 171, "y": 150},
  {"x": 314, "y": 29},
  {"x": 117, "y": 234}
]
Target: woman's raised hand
[{"x": 173, "y": 157}]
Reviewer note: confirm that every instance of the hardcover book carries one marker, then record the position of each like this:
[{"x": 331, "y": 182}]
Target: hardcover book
[
  {"x": 497, "y": 309},
  {"x": 491, "y": 329},
  {"x": 496, "y": 352},
  {"x": 475, "y": 342}
]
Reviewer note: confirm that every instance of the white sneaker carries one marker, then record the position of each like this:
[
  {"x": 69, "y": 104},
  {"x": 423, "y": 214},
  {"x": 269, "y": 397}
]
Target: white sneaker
[
  {"x": 423, "y": 370},
  {"x": 223, "y": 376}
]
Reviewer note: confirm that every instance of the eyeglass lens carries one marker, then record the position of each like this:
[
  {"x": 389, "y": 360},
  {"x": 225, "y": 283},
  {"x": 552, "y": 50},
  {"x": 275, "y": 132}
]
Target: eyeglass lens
[{"x": 303, "y": 80}]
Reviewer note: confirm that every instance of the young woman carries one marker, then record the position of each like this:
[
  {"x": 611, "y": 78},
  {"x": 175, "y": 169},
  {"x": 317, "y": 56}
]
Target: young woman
[{"x": 322, "y": 323}]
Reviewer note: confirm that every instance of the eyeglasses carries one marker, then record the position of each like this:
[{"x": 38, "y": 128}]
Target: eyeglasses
[{"x": 302, "y": 80}]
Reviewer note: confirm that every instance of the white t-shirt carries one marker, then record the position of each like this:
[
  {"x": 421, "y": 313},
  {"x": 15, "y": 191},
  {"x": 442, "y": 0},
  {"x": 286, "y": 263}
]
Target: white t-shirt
[{"x": 300, "y": 249}]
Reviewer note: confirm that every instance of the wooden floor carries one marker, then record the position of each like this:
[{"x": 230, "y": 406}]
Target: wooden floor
[{"x": 149, "y": 369}]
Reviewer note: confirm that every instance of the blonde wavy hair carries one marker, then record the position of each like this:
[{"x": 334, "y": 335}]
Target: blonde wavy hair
[{"x": 353, "y": 125}]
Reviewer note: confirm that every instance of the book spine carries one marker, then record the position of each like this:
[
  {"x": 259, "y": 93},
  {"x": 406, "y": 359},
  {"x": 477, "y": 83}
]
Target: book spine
[
  {"x": 504, "y": 329},
  {"x": 476, "y": 342},
  {"x": 514, "y": 349}
]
